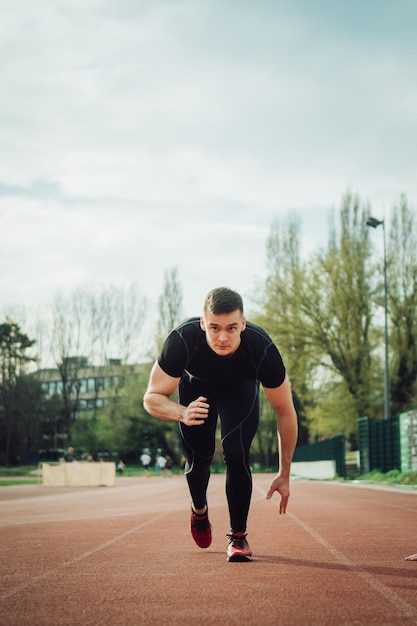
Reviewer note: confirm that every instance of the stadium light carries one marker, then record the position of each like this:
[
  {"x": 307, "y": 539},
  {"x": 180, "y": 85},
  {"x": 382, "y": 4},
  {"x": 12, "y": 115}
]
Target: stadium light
[{"x": 374, "y": 223}]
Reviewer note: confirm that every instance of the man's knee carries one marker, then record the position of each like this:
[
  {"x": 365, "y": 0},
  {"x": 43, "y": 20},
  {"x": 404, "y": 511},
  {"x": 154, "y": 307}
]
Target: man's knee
[
  {"x": 235, "y": 457},
  {"x": 197, "y": 463}
]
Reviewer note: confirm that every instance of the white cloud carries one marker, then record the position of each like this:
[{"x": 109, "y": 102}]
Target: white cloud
[{"x": 138, "y": 136}]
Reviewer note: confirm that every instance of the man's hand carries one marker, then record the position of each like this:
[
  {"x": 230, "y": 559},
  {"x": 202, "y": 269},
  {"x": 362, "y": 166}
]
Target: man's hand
[
  {"x": 282, "y": 485},
  {"x": 196, "y": 412}
]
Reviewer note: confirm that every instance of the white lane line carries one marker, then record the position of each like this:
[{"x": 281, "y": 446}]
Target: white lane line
[
  {"x": 51, "y": 572},
  {"x": 404, "y": 607}
]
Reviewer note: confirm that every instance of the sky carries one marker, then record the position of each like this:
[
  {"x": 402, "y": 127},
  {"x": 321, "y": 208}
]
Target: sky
[{"x": 141, "y": 135}]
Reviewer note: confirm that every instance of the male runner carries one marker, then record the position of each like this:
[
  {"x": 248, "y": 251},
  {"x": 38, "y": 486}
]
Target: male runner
[{"x": 217, "y": 362}]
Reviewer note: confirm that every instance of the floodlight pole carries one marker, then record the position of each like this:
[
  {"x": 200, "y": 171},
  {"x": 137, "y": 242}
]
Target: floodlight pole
[{"x": 374, "y": 223}]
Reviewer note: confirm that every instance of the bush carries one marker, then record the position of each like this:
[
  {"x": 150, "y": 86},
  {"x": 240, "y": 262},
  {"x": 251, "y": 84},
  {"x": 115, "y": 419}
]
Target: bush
[{"x": 391, "y": 477}]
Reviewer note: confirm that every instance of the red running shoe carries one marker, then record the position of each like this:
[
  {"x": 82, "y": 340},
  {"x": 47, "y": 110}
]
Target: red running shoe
[
  {"x": 201, "y": 529},
  {"x": 238, "y": 548}
]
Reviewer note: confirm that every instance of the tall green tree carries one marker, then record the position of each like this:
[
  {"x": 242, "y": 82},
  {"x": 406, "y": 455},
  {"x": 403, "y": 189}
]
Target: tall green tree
[
  {"x": 336, "y": 304},
  {"x": 402, "y": 298},
  {"x": 14, "y": 359},
  {"x": 320, "y": 312},
  {"x": 280, "y": 317}
]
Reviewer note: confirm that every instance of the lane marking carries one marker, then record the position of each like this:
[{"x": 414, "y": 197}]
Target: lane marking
[
  {"x": 51, "y": 572},
  {"x": 402, "y": 605}
]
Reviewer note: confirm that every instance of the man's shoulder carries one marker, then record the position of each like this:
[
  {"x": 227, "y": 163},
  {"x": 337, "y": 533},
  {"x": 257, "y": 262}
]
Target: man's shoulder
[
  {"x": 180, "y": 343},
  {"x": 191, "y": 323},
  {"x": 189, "y": 328},
  {"x": 256, "y": 332}
]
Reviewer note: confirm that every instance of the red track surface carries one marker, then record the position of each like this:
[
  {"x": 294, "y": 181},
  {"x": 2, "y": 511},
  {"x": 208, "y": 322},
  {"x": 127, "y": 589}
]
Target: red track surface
[{"x": 124, "y": 556}]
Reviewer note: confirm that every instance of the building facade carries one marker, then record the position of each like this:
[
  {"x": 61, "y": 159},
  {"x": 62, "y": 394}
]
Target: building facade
[{"x": 89, "y": 386}]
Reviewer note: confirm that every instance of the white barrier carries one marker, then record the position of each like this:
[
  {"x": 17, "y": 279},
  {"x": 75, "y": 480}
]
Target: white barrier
[
  {"x": 79, "y": 474},
  {"x": 323, "y": 470}
]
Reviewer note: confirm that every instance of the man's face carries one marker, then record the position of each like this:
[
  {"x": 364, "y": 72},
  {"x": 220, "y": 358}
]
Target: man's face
[{"x": 223, "y": 331}]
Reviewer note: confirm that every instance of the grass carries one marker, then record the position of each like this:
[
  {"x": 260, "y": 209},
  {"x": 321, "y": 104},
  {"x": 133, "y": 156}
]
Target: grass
[
  {"x": 393, "y": 477},
  {"x": 17, "y": 470},
  {"x": 13, "y": 483},
  {"x": 11, "y": 476},
  {"x": 27, "y": 475}
]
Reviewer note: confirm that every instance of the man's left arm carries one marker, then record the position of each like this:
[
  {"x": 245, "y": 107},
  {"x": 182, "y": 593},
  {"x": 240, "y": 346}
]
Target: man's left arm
[{"x": 281, "y": 400}]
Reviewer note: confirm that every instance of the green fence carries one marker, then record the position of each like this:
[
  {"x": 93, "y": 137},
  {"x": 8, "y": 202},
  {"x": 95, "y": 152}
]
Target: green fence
[
  {"x": 383, "y": 445},
  {"x": 379, "y": 444},
  {"x": 408, "y": 440},
  {"x": 333, "y": 449}
]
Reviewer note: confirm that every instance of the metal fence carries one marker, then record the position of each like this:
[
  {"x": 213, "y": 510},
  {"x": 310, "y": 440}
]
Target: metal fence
[
  {"x": 384, "y": 445},
  {"x": 333, "y": 449},
  {"x": 379, "y": 444}
]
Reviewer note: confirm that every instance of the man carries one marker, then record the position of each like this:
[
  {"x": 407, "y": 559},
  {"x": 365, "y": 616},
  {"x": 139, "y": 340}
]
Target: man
[
  {"x": 145, "y": 459},
  {"x": 160, "y": 464},
  {"x": 217, "y": 362},
  {"x": 69, "y": 455}
]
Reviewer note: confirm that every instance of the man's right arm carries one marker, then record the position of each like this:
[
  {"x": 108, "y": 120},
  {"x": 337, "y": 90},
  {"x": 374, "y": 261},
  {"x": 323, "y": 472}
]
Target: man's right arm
[
  {"x": 157, "y": 400},
  {"x": 281, "y": 400}
]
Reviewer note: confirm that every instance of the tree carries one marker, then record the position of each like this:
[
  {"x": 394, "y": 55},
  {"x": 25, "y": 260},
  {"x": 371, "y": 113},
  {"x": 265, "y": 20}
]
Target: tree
[
  {"x": 68, "y": 341},
  {"x": 123, "y": 426},
  {"x": 144, "y": 430},
  {"x": 336, "y": 304},
  {"x": 170, "y": 306},
  {"x": 89, "y": 325},
  {"x": 115, "y": 320},
  {"x": 14, "y": 345},
  {"x": 320, "y": 314},
  {"x": 402, "y": 292},
  {"x": 279, "y": 316}
]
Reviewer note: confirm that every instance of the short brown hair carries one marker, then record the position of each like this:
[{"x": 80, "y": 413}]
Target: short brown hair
[{"x": 223, "y": 300}]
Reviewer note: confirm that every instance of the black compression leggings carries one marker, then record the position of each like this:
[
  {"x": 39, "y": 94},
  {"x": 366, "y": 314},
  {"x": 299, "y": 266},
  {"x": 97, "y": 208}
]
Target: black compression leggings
[{"x": 237, "y": 404}]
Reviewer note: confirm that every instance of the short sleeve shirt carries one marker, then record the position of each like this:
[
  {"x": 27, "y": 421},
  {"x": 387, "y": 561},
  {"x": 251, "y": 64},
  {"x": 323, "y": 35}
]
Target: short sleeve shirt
[{"x": 186, "y": 352}]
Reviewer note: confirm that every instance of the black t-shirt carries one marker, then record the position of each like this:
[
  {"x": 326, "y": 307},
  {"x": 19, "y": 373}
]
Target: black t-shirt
[{"x": 257, "y": 357}]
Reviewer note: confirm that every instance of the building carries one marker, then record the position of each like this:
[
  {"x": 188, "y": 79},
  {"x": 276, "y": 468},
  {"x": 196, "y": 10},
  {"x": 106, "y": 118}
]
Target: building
[{"x": 90, "y": 386}]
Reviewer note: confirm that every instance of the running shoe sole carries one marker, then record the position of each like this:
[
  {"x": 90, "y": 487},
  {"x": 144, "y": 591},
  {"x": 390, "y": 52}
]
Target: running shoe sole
[{"x": 238, "y": 558}]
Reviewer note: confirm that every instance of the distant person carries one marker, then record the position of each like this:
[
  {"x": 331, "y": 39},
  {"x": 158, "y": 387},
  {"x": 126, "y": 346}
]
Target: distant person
[
  {"x": 161, "y": 464},
  {"x": 90, "y": 458},
  {"x": 169, "y": 465},
  {"x": 216, "y": 363},
  {"x": 146, "y": 460},
  {"x": 69, "y": 455},
  {"x": 121, "y": 467}
]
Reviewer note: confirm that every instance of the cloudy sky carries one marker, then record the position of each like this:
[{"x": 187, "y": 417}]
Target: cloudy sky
[{"x": 142, "y": 135}]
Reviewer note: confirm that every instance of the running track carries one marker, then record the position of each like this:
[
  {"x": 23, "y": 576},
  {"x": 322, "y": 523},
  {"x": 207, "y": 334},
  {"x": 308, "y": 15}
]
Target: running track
[{"x": 123, "y": 555}]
